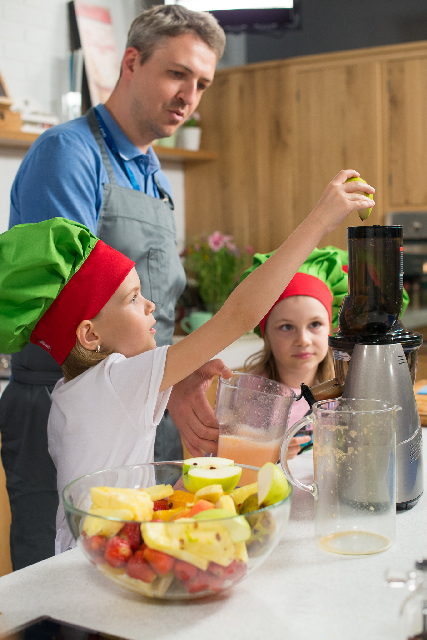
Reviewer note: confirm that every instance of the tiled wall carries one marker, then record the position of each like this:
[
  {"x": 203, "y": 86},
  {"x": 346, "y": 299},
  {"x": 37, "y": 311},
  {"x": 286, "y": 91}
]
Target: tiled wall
[{"x": 34, "y": 48}]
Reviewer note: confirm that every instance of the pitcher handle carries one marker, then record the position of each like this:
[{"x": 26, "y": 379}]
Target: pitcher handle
[{"x": 284, "y": 450}]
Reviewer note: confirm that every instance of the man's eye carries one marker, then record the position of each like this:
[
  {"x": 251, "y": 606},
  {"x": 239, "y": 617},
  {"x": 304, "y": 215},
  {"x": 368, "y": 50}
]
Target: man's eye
[
  {"x": 201, "y": 86},
  {"x": 177, "y": 74}
]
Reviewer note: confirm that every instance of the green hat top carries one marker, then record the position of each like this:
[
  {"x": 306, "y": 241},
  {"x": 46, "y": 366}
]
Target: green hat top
[{"x": 53, "y": 275}]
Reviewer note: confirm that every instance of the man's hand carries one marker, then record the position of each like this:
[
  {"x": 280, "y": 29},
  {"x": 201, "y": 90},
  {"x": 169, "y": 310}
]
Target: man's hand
[{"x": 191, "y": 412}]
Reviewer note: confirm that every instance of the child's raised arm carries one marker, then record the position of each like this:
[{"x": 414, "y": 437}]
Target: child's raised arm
[{"x": 253, "y": 298}]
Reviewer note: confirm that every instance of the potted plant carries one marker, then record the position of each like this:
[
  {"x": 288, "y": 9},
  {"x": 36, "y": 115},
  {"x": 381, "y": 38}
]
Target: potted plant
[
  {"x": 213, "y": 266},
  {"x": 188, "y": 136}
]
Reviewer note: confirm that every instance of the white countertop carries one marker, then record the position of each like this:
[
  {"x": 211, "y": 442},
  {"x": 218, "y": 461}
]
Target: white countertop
[{"x": 301, "y": 592}]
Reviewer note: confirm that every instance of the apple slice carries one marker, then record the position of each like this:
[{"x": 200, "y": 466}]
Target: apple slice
[
  {"x": 206, "y": 463},
  {"x": 238, "y": 527},
  {"x": 363, "y": 213},
  {"x": 227, "y": 477},
  {"x": 272, "y": 485}
]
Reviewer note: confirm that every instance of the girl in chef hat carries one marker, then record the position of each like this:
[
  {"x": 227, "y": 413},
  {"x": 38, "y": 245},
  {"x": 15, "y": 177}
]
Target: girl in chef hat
[
  {"x": 65, "y": 290},
  {"x": 296, "y": 328}
]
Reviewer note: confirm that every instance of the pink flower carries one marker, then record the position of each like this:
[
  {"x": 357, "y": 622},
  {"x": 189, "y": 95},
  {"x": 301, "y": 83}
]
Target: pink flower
[
  {"x": 216, "y": 241},
  {"x": 250, "y": 250}
]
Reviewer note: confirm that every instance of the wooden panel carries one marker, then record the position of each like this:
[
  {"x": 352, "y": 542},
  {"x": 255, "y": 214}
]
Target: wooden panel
[
  {"x": 338, "y": 127},
  {"x": 406, "y": 140},
  {"x": 247, "y": 193}
]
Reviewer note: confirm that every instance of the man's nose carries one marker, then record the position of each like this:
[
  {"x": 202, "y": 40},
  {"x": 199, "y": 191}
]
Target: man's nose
[{"x": 188, "y": 92}]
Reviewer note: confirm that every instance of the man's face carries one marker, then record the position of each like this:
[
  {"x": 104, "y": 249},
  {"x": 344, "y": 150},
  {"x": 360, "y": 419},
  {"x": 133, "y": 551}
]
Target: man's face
[{"x": 166, "y": 89}]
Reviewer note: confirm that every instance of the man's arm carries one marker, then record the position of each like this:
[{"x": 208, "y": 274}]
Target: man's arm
[{"x": 191, "y": 411}]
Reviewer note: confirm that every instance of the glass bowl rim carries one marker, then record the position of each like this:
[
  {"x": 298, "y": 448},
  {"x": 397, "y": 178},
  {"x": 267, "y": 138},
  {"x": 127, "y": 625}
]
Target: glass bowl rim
[
  {"x": 71, "y": 509},
  {"x": 390, "y": 407}
]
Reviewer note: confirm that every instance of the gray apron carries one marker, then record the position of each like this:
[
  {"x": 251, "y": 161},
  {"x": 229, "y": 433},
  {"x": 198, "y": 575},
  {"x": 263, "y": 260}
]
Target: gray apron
[{"x": 142, "y": 228}]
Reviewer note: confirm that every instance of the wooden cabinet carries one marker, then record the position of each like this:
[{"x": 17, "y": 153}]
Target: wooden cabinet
[
  {"x": 283, "y": 129},
  {"x": 405, "y": 140},
  {"x": 336, "y": 128}
]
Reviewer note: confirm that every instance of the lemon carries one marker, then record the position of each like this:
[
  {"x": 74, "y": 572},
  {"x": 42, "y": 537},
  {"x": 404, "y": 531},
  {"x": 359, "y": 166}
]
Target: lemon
[{"x": 363, "y": 213}]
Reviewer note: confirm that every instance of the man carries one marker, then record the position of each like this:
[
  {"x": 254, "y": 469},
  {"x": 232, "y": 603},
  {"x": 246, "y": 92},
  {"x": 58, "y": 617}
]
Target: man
[{"x": 101, "y": 171}]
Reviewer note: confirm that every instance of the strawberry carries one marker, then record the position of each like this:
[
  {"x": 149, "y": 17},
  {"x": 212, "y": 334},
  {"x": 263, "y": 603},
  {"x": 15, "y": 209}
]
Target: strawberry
[
  {"x": 220, "y": 571},
  {"x": 239, "y": 571},
  {"x": 95, "y": 547},
  {"x": 184, "y": 570},
  {"x": 131, "y": 532},
  {"x": 200, "y": 583},
  {"x": 117, "y": 552},
  {"x": 216, "y": 584},
  {"x": 161, "y": 505},
  {"x": 234, "y": 571},
  {"x": 161, "y": 562},
  {"x": 138, "y": 568}
]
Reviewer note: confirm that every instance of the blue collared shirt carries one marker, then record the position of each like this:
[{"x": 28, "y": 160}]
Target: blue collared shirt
[{"x": 63, "y": 174}]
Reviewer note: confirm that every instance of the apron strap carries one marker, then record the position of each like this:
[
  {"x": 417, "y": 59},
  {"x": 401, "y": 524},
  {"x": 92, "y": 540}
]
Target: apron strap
[
  {"x": 94, "y": 127},
  {"x": 164, "y": 196}
]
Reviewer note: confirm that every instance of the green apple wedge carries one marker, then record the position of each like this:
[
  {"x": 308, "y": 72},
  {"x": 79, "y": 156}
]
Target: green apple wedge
[
  {"x": 206, "y": 462},
  {"x": 363, "y": 213},
  {"x": 272, "y": 485},
  {"x": 238, "y": 527},
  {"x": 228, "y": 477}
]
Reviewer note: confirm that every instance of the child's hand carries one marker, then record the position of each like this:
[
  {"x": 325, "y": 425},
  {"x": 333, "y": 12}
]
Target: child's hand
[
  {"x": 340, "y": 198},
  {"x": 295, "y": 446}
]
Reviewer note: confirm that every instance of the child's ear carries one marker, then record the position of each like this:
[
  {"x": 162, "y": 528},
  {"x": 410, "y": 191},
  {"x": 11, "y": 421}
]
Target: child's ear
[{"x": 87, "y": 336}]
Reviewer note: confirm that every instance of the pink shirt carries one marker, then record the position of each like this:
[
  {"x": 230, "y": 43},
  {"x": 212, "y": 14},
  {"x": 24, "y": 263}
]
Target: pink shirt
[{"x": 299, "y": 408}]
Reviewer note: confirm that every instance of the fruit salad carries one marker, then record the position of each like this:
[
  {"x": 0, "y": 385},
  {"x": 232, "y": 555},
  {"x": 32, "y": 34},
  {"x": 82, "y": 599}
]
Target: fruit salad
[{"x": 162, "y": 541}]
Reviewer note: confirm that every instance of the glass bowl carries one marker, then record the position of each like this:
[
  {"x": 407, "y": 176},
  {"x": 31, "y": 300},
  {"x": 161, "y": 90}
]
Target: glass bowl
[{"x": 196, "y": 559}]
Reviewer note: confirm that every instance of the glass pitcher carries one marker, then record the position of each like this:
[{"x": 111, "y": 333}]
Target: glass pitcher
[
  {"x": 252, "y": 413},
  {"x": 354, "y": 487}
]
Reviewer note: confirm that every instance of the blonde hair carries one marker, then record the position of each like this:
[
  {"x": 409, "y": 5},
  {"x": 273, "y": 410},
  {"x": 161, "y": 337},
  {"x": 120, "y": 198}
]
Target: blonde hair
[
  {"x": 263, "y": 362},
  {"x": 80, "y": 360}
]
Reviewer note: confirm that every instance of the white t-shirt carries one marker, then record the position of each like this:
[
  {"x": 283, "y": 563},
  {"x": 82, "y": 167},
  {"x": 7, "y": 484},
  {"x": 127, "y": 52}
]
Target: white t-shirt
[{"x": 104, "y": 418}]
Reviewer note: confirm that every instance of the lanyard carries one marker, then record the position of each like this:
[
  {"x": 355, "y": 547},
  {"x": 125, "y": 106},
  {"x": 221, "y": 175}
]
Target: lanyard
[{"x": 110, "y": 142}]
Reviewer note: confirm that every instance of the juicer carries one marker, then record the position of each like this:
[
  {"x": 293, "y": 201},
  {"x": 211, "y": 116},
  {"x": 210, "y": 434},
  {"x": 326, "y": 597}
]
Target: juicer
[{"x": 374, "y": 356}]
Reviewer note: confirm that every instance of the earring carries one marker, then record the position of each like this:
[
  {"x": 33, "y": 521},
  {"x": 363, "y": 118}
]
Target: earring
[{"x": 98, "y": 349}]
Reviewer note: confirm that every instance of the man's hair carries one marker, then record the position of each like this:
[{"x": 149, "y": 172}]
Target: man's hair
[{"x": 170, "y": 21}]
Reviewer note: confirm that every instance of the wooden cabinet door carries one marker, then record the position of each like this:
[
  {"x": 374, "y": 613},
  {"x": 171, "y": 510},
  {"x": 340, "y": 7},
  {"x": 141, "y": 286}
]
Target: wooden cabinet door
[
  {"x": 405, "y": 141},
  {"x": 338, "y": 126}
]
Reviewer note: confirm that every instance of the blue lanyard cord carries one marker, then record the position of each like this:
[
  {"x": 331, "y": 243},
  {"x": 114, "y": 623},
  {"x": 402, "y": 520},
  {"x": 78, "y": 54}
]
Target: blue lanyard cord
[{"x": 110, "y": 142}]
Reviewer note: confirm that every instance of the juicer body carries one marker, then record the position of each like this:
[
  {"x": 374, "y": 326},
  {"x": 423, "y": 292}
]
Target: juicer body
[{"x": 380, "y": 371}]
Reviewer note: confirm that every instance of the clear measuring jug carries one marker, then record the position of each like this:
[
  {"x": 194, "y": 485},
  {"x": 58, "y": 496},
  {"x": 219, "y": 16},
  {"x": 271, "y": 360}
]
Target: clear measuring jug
[
  {"x": 354, "y": 486},
  {"x": 252, "y": 413}
]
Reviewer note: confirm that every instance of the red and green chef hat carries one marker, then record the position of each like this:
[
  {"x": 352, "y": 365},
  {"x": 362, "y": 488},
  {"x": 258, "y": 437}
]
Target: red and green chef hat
[
  {"x": 53, "y": 275},
  {"x": 321, "y": 276}
]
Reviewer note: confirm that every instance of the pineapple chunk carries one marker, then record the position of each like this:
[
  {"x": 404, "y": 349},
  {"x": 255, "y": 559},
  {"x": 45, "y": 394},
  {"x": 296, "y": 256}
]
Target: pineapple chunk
[
  {"x": 241, "y": 552},
  {"x": 227, "y": 503},
  {"x": 196, "y": 542},
  {"x": 212, "y": 492},
  {"x": 98, "y": 526},
  {"x": 135, "y": 500},
  {"x": 159, "y": 491}
]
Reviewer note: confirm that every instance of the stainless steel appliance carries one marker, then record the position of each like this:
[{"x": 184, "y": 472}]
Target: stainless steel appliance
[{"x": 370, "y": 347}]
